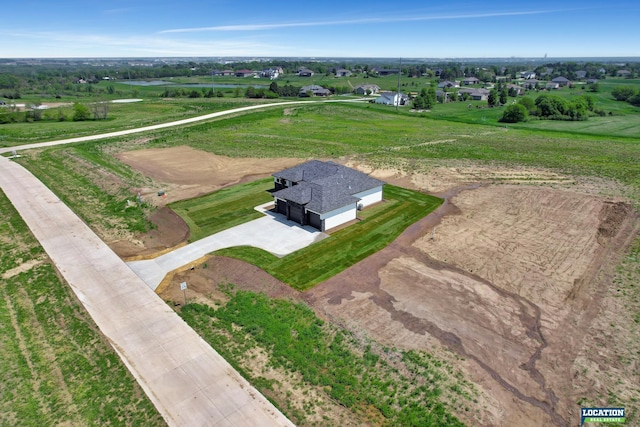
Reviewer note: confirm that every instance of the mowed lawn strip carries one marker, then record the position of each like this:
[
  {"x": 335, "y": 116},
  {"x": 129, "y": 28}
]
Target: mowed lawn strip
[
  {"x": 379, "y": 226},
  {"x": 224, "y": 208}
]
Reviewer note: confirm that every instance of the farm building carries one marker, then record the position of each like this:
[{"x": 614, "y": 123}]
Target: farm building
[{"x": 323, "y": 195}]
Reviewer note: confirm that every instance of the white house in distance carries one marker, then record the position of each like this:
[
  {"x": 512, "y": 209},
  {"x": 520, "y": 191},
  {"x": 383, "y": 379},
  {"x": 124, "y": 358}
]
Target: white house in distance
[
  {"x": 323, "y": 195},
  {"x": 392, "y": 98}
]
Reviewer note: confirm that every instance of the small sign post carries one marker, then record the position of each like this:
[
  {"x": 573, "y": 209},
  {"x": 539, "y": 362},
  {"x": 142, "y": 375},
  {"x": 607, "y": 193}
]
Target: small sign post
[{"x": 183, "y": 288}]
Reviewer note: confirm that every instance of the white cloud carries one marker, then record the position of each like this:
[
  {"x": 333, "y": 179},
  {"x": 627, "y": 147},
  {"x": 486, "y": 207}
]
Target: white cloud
[{"x": 261, "y": 27}]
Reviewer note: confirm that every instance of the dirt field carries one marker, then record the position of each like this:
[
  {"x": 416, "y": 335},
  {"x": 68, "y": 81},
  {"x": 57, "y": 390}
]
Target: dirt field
[{"x": 511, "y": 287}]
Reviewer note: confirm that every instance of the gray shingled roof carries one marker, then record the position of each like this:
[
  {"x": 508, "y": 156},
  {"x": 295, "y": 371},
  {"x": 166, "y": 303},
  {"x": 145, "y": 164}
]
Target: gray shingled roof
[{"x": 324, "y": 186}]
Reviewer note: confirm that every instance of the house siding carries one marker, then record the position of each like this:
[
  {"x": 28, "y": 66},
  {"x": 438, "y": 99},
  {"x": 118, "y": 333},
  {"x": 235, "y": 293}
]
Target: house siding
[
  {"x": 339, "y": 216},
  {"x": 370, "y": 197}
]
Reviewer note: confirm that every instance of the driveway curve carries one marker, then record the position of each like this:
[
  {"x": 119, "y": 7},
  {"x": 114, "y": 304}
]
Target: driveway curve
[{"x": 273, "y": 233}]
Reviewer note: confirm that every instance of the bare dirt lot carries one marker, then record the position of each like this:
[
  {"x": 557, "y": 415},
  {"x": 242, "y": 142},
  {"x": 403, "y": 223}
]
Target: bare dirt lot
[{"x": 511, "y": 287}]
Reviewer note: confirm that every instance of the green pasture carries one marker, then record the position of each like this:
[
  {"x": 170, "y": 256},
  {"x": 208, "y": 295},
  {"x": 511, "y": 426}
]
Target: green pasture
[
  {"x": 56, "y": 368},
  {"x": 385, "y": 387},
  {"x": 121, "y": 116},
  {"x": 378, "y": 227},
  {"x": 224, "y": 208},
  {"x": 379, "y": 134}
]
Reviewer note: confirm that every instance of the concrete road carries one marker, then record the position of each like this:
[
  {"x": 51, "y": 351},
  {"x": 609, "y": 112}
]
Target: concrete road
[
  {"x": 187, "y": 381},
  {"x": 273, "y": 233}
]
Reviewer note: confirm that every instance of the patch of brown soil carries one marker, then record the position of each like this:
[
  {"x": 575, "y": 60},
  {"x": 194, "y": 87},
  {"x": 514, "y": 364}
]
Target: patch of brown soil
[
  {"x": 184, "y": 172},
  {"x": 494, "y": 286},
  {"x": 169, "y": 230}
]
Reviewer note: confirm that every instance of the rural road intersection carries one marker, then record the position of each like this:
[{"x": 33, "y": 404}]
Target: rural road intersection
[{"x": 188, "y": 382}]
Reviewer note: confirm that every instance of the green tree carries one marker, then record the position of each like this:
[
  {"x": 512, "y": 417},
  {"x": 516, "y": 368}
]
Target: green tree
[
  {"x": 515, "y": 113},
  {"x": 528, "y": 104},
  {"x": 80, "y": 112},
  {"x": 493, "y": 98},
  {"x": 503, "y": 96},
  {"x": 623, "y": 93}
]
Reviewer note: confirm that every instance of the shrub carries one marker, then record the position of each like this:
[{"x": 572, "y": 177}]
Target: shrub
[{"x": 515, "y": 113}]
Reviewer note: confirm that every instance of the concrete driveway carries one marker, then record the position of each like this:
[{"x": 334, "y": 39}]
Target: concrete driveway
[{"x": 273, "y": 233}]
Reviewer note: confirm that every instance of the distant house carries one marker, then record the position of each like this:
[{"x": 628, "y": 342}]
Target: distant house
[
  {"x": 244, "y": 73},
  {"x": 228, "y": 73},
  {"x": 271, "y": 73},
  {"x": 623, "y": 73},
  {"x": 562, "y": 81},
  {"x": 592, "y": 81},
  {"x": 476, "y": 94},
  {"x": 217, "y": 73},
  {"x": 442, "y": 96},
  {"x": 314, "y": 90},
  {"x": 385, "y": 71},
  {"x": 511, "y": 88},
  {"x": 528, "y": 75},
  {"x": 392, "y": 98},
  {"x": 448, "y": 84},
  {"x": 581, "y": 74},
  {"x": 552, "y": 86},
  {"x": 530, "y": 84},
  {"x": 367, "y": 89},
  {"x": 341, "y": 72},
  {"x": 323, "y": 195},
  {"x": 470, "y": 81},
  {"x": 305, "y": 72}
]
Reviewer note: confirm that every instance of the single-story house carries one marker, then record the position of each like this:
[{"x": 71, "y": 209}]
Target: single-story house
[
  {"x": 530, "y": 84},
  {"x": 323, "y": 195},
  {"x": 244, "y": 73},
  {"x": 442, "y": 96},
  {"x": 305, "y": 72},
  {"x": 552, "y": 86},
  {"x": 392, "y": 98},
  {"x": 341, "y": 72},
  {"x": 527, "y": 75},
  {"x": 515, "y": 88},
  {"x": 623, "y": 73},
  {"x": 470, "y": 81},
  {"x": 581, "y": 74},
  {"x": 562, "y": 81},
  {"x": 386, "y": 71},
  {"x": 449, "y": 84},
  {"x": 476, "y": 94},
  {"x": 367, "y": 89},
  {"x": 592, "y": 81},
  {"x": 314, "y": 90}
]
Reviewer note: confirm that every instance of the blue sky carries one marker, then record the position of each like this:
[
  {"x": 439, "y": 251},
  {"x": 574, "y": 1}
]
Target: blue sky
[{"x": 356, "y": 28}]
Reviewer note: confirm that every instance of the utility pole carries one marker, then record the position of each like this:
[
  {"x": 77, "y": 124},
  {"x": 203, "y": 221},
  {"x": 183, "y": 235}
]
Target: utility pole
[{"x": 398, "y": 93}]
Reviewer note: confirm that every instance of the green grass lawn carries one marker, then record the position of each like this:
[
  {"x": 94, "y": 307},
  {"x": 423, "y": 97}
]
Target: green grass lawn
[
  {"x": 223, "y": 209},
  {"x": 56, "y": 367},
  {"x": 379, "y": 227}
]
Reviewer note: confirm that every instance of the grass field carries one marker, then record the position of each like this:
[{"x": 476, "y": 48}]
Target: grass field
[
  {"x": 121, "y": 116},
  {"x": 383, "y": 386},
  {"x": 56, "y": 368}
]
